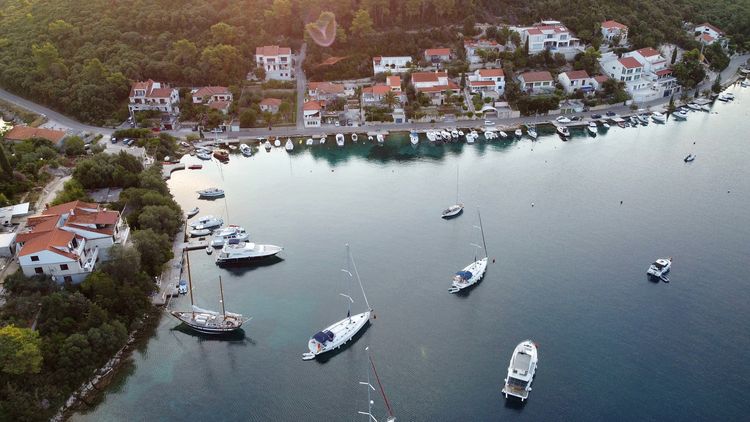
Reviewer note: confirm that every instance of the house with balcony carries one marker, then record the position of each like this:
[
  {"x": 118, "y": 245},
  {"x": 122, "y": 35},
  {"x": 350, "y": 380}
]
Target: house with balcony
[
  {"x": 372, "y": 95},
  {"x": 150, "y": 95},
  {"x": 537, "y": 82},
  {"x": 100, "y": 227},
  {"x": 312, "y": 113},
  {"x": 65, "y": 256},
  {"x": 708, "y": 34},
  {"x": 488, "y": 82},
  {"x": 270, "y": 105},
  {"x": 473, "y": 47},
  {"x": 434, "y": 84},
  {"x": 437, "y": 55},
  {"x": 552, "y": 36},
  {"x": 628, "y": 70},
  {"x": 657, "y": 72},
  {"x": 613, "y": 29},
  {"x": 209, "y": 94},
  {"x": 276, "y": 61},
  {"x": 576, "y": 80},
  {"x": 390, "y": 64},
  {"x": 326, "y": 91}
]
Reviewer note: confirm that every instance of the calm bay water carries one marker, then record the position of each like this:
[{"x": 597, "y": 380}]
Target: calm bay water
[{"x": 569, "y": 273}]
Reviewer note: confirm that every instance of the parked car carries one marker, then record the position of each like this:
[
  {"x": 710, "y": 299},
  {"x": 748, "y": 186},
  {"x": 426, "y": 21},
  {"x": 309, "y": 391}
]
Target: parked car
[
  {"x": 575, "y": 118},
  {"x": 611, "y": 113},
  {"x": 113, "y": 139},
  {"x": 563, "y": 119},
  {"x": 489, "y": 123},
  {"x": 337, "y": 124},
  {"x": 596, "y": 116}
]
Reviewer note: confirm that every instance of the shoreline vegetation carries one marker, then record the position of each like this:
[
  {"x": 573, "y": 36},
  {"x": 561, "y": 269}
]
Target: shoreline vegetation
[{"x": 73, "y": 338}]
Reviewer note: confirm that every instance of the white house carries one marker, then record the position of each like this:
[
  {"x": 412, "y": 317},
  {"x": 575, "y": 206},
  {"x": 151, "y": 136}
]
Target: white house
[
  {"x": 376, "y": 93},
  {"x": 270, "y": 104},
  {"x": 628, "y": 70},
  {"x": 392, "y": 64},
  {"x": 612, "y": 29},
  {"x": 209, "y": 94},
  {"x": 437, "y": 55},
  {"x": 150, "y": 95},
  {"x": 473, "y": 47},
  {"x": 707, "y": 28},
  {"x": 64, "y": 255},
  {"x": 276, "y": 61},
  {"x": 552, "y": 36},
  {"x": 576, "y": 80},
  {"x": 329, "y": 90},
  {"x": 312, "y": 111},
  {"x": 656, "y": 71},
  {"x": 598, "y": 81},
  {"x": 433, "y": 84},
  {"x": 488, "y": 82},
  {"x": 537, "y": 82}
]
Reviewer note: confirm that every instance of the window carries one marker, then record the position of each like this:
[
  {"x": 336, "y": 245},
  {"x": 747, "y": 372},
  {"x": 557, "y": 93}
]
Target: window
[
  {"x": 34, "y": 258},
  {"x": 64, "y": 267},
  {"x": 39, "y": 270},
  {"x": 68, "y": 279}
]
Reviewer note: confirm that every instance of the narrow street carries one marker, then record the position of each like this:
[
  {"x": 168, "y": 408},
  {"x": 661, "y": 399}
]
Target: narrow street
[{"x": 301, "y": 85}]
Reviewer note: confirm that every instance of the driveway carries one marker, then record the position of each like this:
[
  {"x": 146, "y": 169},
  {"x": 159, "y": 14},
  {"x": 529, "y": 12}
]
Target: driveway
[{"x": 301, "y": 84}]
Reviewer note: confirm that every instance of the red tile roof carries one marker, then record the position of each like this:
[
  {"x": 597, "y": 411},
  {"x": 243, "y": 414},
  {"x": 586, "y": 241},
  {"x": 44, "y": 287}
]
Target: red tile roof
[
  {"x": 69, "y": 206},
  {"x": 101, "y": 217},
  {"x": 536, "y": 76},
  {"x": 55, "y": 241},
  {"x": 326, "y": 87},
  {"x": 491, "y": 73},
  {"x": 483, "y": 42},
  {"x": 219, "y": 105},
  {"x": 376, "y": 89},
  {"x": 437, "y": 52},
  {"x": 19, "y": 133},
  {"x": 663, "y": 72},
  {"x": 163, "y": 92},
  {"x": 706, "y": 38},
  {"x": 272, "y": 50},
  {"x": 601, "y": 78},
  {"x": 271, "y": 102},
  {"x": 428, "y": 76},
  {"x": 208, "y": 91},
  {"x": 613, "y": 24},
  {"x": 577, "y": 74},
  {"x": 394, "y": 81},
  {"x": 647, "y": 52},
  {"x": 481, "y": 83},
  {"x": 311, "y": 105},
  {"x": 630, "y": 62}
]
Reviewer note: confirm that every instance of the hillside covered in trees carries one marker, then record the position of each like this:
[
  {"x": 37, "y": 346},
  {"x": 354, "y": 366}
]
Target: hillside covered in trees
[{"x": 79, "y": 56}]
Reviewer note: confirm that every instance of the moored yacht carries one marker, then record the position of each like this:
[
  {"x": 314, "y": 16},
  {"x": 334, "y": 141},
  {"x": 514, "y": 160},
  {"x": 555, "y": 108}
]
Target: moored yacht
[
  {"x": 472, "y": 273},
  {"x": 229, "y": 234},
  {"x": 289, "y": 146},
  {"x": 207, "y": 222},
  {"x": 455, "y": 209},
  {"x": 246, "y": 150},
  {"x": 592, "y": 127},
  {"x": 521, "y": 370},
  {"x": 340, "y": 139},
  {"x": 413, "y": 137},
  {"x": 237, "y": 253},
  {"x": 381, "y": 138},
  {"x": 680, "y": 115},
  {"x": 211, "y": 193},
  {"x": 694, "y": 106},
  {"x": 689, "y": 158},
  {"x": 659, "y": 117},
  {"x": 660, "y": 268},
  {"x": 355, "y": 137},
  {"x": 203, "y": 155},
  {"x": 192, "y": 213},
  {"x": 563, "y": 132},
  {"x": 518, "y": 133}
]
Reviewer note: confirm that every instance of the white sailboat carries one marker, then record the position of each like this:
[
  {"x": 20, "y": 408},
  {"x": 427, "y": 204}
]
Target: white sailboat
[
  {"x": 370, "y": 402},
  {"x": 521, "y": 370},
  {"x": 473, "y": 272},
  {"x": 339, "y": 333},
  {"x": 455, "y": 209}
]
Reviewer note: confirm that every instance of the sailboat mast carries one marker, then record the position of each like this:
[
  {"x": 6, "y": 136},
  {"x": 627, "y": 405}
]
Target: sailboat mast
[
  {"x": 354, "y": 264},
  {"x": 380, "y": 385},
  {"x": 221, "y": 289},
  {"x": 190, "y": 282},
  {"x": 481, "y": 228}
]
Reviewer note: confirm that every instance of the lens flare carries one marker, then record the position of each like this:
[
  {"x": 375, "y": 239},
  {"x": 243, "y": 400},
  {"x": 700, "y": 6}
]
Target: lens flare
[{"x": 323, "y": 30}]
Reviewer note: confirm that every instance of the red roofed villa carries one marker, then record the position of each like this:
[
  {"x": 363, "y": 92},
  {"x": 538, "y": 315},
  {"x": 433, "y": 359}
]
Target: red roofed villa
[
  {"x": 437, "y": 55},
  {"x": 20, "y": 133},
  {"x": 276, "y": 61},
  {"x": 536, "y": 82},
  {"x": 613, "y": 29},
  {"x": 150, "y": 95}
]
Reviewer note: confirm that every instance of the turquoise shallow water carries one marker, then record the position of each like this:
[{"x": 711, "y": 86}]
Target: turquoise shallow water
[{"x": 569, "y": 273}]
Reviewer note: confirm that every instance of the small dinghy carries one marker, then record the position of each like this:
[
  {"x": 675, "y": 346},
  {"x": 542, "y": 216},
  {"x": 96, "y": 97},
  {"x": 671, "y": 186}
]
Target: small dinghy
[
  {"x": 192, "y": 213},
  {"x": 689, "y": 158},
  {"x": 209, "y": 250},
  {"x": 354, "y": 137}
]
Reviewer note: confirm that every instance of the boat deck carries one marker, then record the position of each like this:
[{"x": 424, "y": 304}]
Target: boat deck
[{"x": 521, "y": 363}]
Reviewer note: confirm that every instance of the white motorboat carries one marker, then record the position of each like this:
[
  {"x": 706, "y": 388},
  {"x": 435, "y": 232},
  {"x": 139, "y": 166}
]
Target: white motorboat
[
  {"x": 454, "y": 133},
  {"x": 531, "y": 131},
  {"x": 199, "y": 232},
  {"x": 355, "y": 137},
  {"x": 246, "y": 150},
  {"x": 209, "y": 250},
  {"x": 605, "y": 126},
  {"x": 680, "y": 115},
  {"x": 413, "y": 137},
  {"x": 323, "y": 139},
  {"x": 381, "y": 138},
  {"x": 471, "y": 137},
  {"x": 592, "y": 128},
  {"x": 192, "y": 213},
  {"x": 309, "y": 141},
  {"x": 518, "y": 133},
  {"x": 705, "y": 107},
  {"x": 460, "y": 133},
  {"x": 267, "y": 145},
  {"x": 563, "y": 120},
  {"x": 445, "y": 134},
  {"x": 430, "y": 136},
  {"x": 659, "y": 117},
  {"x": 211, "y": 193},
  {"x": 723, "y": 98},
  {"x": 694, "y": 106},
  {"x": 563, "y": 131},
  {"x": 339, "y": 333},
  {"x": 203, "y": 155},
  {"x": 340, "y": 139},
  {"x": 457, "y": 208},
  {"x": 473, "y": 272},
  {"x": 503, "y": 134},
  {"x": 690, "y": 158},
  {"x": 277, "y": 143},
  {"x": 745, "y": 83},
  {"x": 207, "y": 222},
  {"x": 229, "y": 234},
  {"x": 289, "y": 146},
  {"x": 660, "y": 268},
  {"x": 242, "y": 252},
  {"x": 369, "y": 138},
  {"x": 729, "y": 96},
  {"x": 643, "y": 118},
  {"x": 521, "y": 370}
]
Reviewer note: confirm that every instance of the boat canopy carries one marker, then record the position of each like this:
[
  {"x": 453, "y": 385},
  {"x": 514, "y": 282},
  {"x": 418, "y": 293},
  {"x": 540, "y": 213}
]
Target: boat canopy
[
  {"x": 323, "y": 336},
  {"x": 464, "y": 274}
]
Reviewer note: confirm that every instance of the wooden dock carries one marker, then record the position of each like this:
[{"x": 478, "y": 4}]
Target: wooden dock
[{"x": 193, "y": 245}]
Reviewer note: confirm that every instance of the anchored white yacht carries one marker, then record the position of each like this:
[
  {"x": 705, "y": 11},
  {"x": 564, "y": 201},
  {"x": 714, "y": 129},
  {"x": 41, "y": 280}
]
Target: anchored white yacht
[
  {"x": 563, "y": 131},
  {"x": 660, "y": 268},
  {"x": 192, "y": 213},
  {"x": 229, "y": 234},
  {"x": 659, "y": 117},
  {"x": 242, "y": 252},
  {"x": 289, "y": 146},
  {"x": 203, "y": 155},
  {"x": 381, "y": 138},
  {"x": 680, "y": 114},
  {"x": 211, "y": 193},
  {"x": 592, "y": 128},
  {"x": 339, "y": 333},
  {"x": 207, "y": 222},
  {"x": 413, "y": 137},
  {"x": 246, "y": 150},
  {"x": 473, "y": 272},
  {"x": 456, "y": 208},
  {"x": 521, "y": 370}
]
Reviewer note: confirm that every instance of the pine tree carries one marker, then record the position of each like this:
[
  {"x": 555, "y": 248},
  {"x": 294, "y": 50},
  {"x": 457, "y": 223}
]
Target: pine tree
[{"x": 5, "y": 164}]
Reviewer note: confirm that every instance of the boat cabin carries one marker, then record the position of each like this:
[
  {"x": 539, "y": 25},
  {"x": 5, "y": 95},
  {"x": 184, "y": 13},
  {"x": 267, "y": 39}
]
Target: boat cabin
[{"x": 323, "y": 336}]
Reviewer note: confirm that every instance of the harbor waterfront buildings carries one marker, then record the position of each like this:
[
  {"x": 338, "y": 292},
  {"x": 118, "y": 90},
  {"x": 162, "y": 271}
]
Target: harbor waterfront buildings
[
  {"x": 276, "y": 61},
  {"x": 645, "y": 72}
]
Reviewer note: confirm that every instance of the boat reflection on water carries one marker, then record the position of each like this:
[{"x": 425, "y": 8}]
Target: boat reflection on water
[{"x": 237, "y": 336}]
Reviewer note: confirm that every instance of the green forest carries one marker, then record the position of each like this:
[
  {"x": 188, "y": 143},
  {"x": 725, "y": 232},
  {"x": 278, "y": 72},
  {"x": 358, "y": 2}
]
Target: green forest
[{"x": 79, "y": 56}]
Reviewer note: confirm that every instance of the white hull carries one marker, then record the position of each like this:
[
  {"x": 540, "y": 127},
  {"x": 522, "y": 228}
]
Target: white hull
[
  {"x": 340, "y": 139},
  {"x": 521, "y": 370},
  {"x": 207, "y": 222},
  {"x": 343, "y": 331},
  {"x": 660, "y": 268},
  {"x": 477, "y": 270},
  {"x": 289, "y": 146},
  {"x": 453, "y": 211},
  {"x": 246, "y": 252}
]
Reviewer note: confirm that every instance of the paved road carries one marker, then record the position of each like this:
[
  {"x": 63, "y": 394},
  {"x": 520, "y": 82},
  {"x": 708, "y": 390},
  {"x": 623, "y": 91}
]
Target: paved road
[
  {"x": 301, "y": 85},
  {"x": 60, "y": 119}
]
